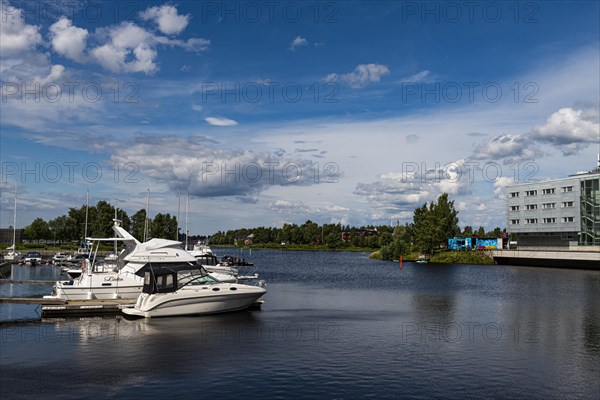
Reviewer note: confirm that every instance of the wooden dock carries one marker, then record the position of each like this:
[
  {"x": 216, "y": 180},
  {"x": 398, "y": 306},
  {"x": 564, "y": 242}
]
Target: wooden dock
[{"x": 74, "y": 308}]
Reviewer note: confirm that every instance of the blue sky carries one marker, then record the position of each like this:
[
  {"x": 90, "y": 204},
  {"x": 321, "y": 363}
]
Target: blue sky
[{"x": 275, "y": 112}]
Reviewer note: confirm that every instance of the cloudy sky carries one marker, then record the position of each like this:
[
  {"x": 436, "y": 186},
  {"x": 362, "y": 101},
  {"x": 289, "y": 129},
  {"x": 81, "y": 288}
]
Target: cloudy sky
[{"x": 274, "y": 112}]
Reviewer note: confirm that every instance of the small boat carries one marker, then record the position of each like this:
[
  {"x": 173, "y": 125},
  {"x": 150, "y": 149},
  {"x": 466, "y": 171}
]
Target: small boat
[
  {"x": 32, "y": 258},
  {"x": 235, "y": 261},
  {"x": 12, "y": 255},
  {"x": 189, "y": 290},
  {"x": 210, "y": 262},
  {"x": 60, "y": 258},
  {"x": 422, "y": 261}
]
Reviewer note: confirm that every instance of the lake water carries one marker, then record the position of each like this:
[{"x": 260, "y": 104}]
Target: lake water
[{"x": 334, "y": 326}]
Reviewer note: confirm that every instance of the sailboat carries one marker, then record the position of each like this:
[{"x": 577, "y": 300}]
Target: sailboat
[{"x": 13, "y": 254}]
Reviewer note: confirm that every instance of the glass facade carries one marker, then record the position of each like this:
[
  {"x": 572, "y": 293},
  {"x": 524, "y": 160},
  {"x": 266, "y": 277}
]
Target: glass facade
[{"x": 590, "y": 212}]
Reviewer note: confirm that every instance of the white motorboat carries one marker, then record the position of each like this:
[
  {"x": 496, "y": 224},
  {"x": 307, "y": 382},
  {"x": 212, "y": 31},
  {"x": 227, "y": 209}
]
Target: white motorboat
[
  {"x": 60, "y": 257},
  {"x": 121, "y": 278},
  {"x": 32, "y": 258},
  {"x": 210, "y": 262},
  {"x": 189, "y": 290},
  {"x": 98, "y": 282}
]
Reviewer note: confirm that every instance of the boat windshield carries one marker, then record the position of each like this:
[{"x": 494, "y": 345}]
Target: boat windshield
[{"x": 194, "y": 277}]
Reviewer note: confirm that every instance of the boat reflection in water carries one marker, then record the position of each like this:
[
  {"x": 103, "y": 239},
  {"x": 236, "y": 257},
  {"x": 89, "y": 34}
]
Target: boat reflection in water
[{"x": 189, "y": 290}]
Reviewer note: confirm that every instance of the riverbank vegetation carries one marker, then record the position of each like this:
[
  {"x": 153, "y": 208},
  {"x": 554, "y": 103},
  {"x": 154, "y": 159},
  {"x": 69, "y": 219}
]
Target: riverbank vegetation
[{"x": 425, "y": 236}]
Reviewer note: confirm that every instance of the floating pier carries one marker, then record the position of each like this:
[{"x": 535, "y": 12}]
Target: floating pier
[
  {"x": 71, "y": 308},
  {"x": 585, "y": 258}
]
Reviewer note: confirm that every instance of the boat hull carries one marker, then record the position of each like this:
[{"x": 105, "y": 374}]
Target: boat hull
[{"x": 196, "y": 301}]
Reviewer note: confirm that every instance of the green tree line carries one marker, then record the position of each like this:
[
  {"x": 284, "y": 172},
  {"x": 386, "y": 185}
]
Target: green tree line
[
  {"x": 309, "y": 233},
  {"x": 71, "y": 227},
  {"x": 429, "y": 230}
]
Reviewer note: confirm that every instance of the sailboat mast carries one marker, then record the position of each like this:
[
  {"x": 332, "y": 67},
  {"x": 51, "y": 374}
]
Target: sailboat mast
[
  {"x": 14, "y": 243},
  {"x": 116, "y": 205},
  {"x": 87, "y": 206},
  {"x": 178, "y": 210},
  {"x": 187, "y": 206},
  {"x": 147, "y": 216}
]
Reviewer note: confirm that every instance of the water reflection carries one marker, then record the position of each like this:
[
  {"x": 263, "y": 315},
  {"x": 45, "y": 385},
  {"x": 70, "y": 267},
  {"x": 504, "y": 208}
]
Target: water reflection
[
  {"x": 333, "y": 325},
  {"x": 591, "y": 320}
]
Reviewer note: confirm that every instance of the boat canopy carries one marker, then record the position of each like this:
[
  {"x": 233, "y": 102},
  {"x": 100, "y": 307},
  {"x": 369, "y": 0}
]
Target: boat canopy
[{"x": 168, "y": 279}]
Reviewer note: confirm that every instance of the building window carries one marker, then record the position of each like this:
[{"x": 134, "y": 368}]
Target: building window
[
  {"x": 530, "y": 221},
  {"x": 531, "y": 193},
  {"x": 567, "y": 204},
  {"x": 514, "y": 208},
  {"x": 531, "y": 207},
  {"x": 514, "y": 194},
  {"x": 550, "y": 220},
  {"x": 548, "y": 191},
  {"x": 566, "y": 189},
  {"x": 514, "y": 222},
  {"x": 546, "y": 206},
  {"x": 568, "y": 219}
]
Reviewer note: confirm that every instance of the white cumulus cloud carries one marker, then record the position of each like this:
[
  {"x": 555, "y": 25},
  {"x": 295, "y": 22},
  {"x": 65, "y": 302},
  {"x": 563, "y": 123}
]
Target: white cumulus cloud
[
  {"x": 68, "y": 40},
  {"x": 283, "y": 206},
  {"x": 127, "y": 41},
  {"x": 220, "y": 121},
  {"x": 297, "y": 42},
  {"x": 363, "y": 75},
  {"x": 17, "y": 36},
  {"x": 168, "y": 19},
  {"x": 569, "y": 129}
]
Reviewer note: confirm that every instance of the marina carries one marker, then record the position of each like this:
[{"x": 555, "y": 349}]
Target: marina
[{"x": 332, "y": 324}]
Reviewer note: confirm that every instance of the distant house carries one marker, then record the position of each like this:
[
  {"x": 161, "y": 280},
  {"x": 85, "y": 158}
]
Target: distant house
[
  {"x": 246, "y": 240},
  {"x": 346, "y": 236}
]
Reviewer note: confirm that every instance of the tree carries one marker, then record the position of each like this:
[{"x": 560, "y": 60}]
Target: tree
[
  {"x": 468, "y": 231},
  {"x": 163, "y": 226},
  {"x": 310, "y": 232},
  {"x": 333, "y": 240},
  {"x": 63, "y": 228},
  {"x": 434, "y": 224},
  {"x": 38, "y": 230},
  {"x": 385, "y": 239},
  {"x": 480, "y": 232},
  {"x": 101, "y": 224},
  {"x": 138, "y": 223}
]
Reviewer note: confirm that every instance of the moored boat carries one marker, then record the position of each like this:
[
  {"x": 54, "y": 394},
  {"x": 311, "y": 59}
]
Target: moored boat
[{"x": 189, "y": 290}]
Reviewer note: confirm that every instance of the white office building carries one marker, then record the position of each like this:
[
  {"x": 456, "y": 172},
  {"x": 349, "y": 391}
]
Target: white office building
[{"x": 560, "y": 212}]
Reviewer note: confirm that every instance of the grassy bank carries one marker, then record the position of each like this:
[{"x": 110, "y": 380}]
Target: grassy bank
[
  {"x": 481, "y": 257},
  {"x": 463, "y": 257}
]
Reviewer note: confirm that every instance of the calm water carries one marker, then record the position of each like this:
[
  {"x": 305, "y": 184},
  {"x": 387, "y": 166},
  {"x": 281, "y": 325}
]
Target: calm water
[{"x": 334, "y": 326}]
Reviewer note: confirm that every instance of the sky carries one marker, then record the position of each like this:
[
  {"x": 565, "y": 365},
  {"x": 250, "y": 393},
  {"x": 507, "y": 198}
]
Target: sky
[{"x": 277, "y": 112}]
